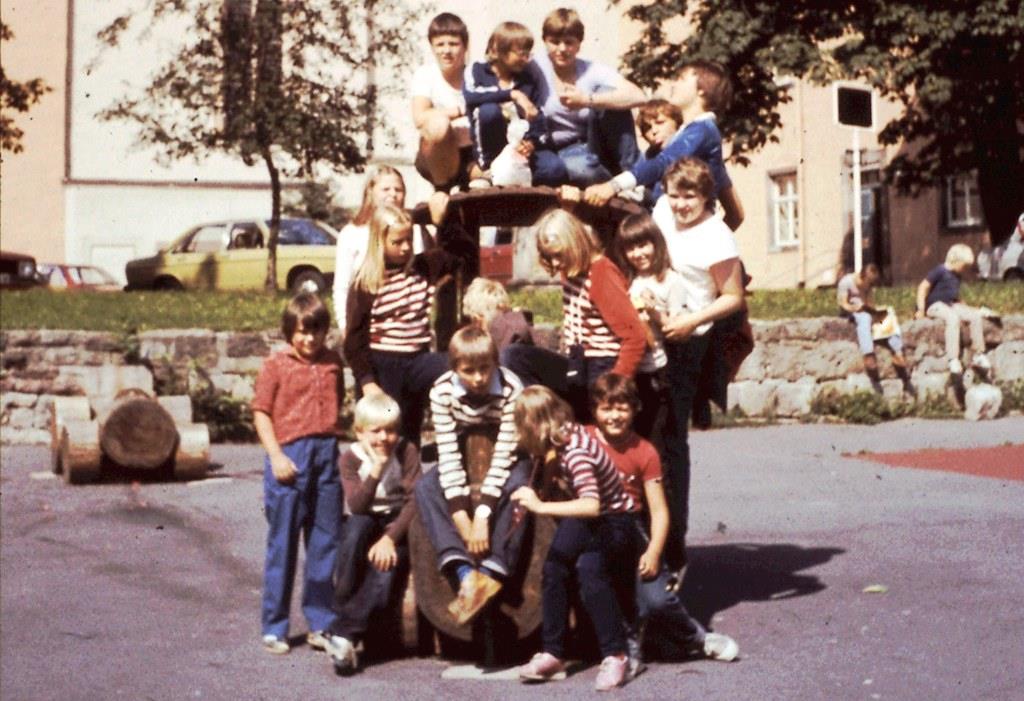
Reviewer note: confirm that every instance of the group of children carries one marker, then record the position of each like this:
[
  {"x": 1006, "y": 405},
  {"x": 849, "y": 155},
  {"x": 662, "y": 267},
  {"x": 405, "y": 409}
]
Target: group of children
[{"x": 572, "y": 430}]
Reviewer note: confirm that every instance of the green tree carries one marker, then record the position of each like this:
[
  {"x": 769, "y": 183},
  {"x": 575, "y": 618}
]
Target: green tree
[
  {"x": 291, "y": 84},
  {"x": 957, "y": 68},
  {"x": 18, "y": 97}
]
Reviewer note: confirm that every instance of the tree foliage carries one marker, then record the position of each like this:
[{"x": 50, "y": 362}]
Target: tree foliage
[
  {"x": 957, "y": 68},
  {"x": 15, "y": 96},
  {"x": 288, "y": 83}
]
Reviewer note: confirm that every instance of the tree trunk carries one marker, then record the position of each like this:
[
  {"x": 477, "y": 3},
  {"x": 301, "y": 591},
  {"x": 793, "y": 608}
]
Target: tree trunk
[
  {"x": 270, "y": 285},
  {"x": 138, "y": 433}
]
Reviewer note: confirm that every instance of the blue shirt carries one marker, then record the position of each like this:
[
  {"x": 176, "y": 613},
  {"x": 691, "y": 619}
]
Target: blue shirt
[
  {"x": 480, "y": 86},
  {"x": 699, "y": 139},
  {"x": 945, "y": 286}
]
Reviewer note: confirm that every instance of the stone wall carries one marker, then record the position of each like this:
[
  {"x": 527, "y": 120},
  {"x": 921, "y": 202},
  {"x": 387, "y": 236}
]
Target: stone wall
[{"x": 792, "y": 362}]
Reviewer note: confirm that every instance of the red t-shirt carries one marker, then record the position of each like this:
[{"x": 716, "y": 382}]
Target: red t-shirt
[
  {"x": 300, "y": 396},
  {"x": 637, "y": 461}
]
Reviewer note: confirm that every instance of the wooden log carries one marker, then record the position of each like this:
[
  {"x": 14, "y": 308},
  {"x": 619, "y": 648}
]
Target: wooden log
[
  {"x": 80, "y": 455},
  {"x": 192, "y": 457},
  {"x": 518, "y": 611},
  {"x": 179, "y": 406},
  {"x": 138, "y": 433},
  {"x": 62, "y": 410}
]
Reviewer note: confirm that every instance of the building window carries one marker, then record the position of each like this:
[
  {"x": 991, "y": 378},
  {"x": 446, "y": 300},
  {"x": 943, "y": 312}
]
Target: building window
[
  {"x": 961, "y": 203},
  {"x": 784, "y": 201}
]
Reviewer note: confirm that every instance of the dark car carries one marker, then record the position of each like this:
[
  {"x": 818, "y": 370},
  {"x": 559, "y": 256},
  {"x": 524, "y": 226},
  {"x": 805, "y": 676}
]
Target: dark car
[{"x": 18, "y": 271}]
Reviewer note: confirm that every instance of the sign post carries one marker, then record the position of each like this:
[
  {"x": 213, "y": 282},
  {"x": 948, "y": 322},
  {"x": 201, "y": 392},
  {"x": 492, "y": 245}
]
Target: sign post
[{"x": 854, "y": 107}]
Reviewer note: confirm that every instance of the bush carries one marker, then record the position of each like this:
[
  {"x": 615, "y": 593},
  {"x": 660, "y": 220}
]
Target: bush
[
  {"x": 1013, "y": 396},
  {"x": 860, "y": 407}
]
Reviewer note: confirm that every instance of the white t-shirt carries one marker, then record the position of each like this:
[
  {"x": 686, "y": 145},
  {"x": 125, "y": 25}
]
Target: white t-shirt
[
  {"x": 353, "y": 240},
  {"x": 693, "y": 251},
  {"x": 669, "y": 298},
  {"x": 429, "y": 82},
  {"x": 566, "y": 125}
]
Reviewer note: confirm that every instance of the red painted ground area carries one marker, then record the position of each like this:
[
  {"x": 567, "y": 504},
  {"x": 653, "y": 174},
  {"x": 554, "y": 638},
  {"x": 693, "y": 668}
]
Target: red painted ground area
[{"x": 1002, "y": 462}]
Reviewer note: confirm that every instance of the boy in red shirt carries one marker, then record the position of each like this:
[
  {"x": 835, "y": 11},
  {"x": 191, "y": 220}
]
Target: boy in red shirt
[
  {"x": 615, "y": 402},
  {"x": 295, "y": 411}
]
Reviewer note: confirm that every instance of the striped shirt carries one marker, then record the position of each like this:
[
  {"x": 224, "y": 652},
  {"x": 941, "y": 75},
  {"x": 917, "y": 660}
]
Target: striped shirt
[
  {"x": 600, "y": 317},
  {"x": 591, "y": 473},
  {"x": 453, "y": 411},
  {"x": 400, "y": 315}
]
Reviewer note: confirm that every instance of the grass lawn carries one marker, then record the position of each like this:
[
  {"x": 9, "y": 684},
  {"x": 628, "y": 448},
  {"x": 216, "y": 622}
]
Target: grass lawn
[{"x": 128, "y": 312}]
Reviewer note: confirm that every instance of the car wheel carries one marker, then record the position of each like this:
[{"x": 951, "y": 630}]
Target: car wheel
[
  {"x": 309, "y": 280},
  {"x": 1013, "y": 274},
  {"x": 168, "y": 284}
]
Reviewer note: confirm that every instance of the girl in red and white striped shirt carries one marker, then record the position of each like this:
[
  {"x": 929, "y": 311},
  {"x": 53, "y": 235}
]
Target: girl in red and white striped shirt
[
  {"x": 595, "y": 544},
  {"x": 602, "y": 330},
  {"x": 388, "y": 340}
]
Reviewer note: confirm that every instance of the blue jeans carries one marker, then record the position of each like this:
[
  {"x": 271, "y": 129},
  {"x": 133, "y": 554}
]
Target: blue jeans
[
  {"x": 609, "y": 149},
  {"x": 681, "y": 374},
  {"x": 863, "y": 320},
  {"x": 534, "y": 365},
  {"x": 407, "y": 378},
  {"x": 448, "y": 544},
  {"x": 598, "y": 555},
  {"x": 663, "y": 612},
  {"x": 361, "y": 591},
  {"x": 311, "y": 505}
]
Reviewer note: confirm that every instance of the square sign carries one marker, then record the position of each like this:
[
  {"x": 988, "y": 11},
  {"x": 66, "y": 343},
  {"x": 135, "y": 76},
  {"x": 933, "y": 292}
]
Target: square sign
[{"x": 854, "y": 106}]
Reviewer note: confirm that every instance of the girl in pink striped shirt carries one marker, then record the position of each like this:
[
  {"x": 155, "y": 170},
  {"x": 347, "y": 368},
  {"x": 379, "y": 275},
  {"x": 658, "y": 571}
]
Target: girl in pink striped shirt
[{"x": 596, "y": 541}]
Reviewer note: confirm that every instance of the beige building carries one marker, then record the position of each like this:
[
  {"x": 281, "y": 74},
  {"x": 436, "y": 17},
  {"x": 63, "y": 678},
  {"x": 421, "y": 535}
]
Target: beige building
[{"x": 80, "y": 192}]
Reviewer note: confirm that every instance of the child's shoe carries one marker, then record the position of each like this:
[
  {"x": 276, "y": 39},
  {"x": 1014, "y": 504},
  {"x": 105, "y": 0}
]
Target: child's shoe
[
  {"x": 636, "y": 665},
  {"x": 474, "y": 593},
  {"x": 612, "y": 672},
  {"x": 981, "y": 362},
  {"x": 273, "y": 644},
  {"x": 720, "y": 647},
  {"x": 343, "y": 654},
  {"x": 317, "y": 639},
  {"x": 956, "y": 367},
  {"x": 542, "y": 667}
]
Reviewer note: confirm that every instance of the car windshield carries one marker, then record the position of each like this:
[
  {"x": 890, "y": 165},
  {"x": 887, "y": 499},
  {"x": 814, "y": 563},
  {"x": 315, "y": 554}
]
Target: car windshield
[{"x": 303, "y": 232}]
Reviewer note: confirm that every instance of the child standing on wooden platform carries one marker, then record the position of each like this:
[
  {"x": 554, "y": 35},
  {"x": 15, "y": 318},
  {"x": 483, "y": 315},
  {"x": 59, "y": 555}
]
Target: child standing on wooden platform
[
  {"x": 295, "y": 410},
  {"x": 476, "y": 393},
  {"x": 378, "y": 472}
]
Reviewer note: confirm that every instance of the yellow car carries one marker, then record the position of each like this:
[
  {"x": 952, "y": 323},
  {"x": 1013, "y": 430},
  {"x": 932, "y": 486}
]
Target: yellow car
[{"x": 233, "y": 256}]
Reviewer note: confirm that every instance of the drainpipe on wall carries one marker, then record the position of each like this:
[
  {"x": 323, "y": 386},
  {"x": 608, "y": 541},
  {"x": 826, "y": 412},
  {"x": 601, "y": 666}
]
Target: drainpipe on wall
[{"x": 801, "y": 187}]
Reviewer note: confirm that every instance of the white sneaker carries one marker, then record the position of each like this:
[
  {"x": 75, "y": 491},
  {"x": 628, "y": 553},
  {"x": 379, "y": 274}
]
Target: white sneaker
[
  {"x": 981, "y": 362},
  {"x": 317, "y": 639},
  {"x": 343, "y": 653},
  {"x": 273, "y": 644},
  {"x": 956, "y": 367},
  {"x": 720, "y": 647}
]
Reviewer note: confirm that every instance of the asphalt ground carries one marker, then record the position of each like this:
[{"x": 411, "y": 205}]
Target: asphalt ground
[{"x": 152, "y": 591}]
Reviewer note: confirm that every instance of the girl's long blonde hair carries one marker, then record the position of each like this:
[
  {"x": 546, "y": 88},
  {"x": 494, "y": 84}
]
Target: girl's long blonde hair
[
  {"x": 541, "y": 419},
  {"x": 386, "y": 218},
  {"x": 376, "y": 174},
  {"x": 559, "y": 231}
]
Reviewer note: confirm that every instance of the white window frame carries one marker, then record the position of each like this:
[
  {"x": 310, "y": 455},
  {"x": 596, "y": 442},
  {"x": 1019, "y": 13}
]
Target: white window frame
[
  {"x": 964, "y": 185},
  {"x": 784, "y": 232}
]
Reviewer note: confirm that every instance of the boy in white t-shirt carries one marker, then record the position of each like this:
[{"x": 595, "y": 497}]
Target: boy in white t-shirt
[
  {"x": 703, "y": 251},
  {"x": 438, "y": 107}
]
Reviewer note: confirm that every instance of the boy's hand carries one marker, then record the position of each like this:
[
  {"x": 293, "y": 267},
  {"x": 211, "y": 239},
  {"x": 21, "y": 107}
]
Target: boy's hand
[
  {"x": 283, "y": 468},
  {"x": 572, "y": 98},
  {"x": 479, "y": 542},
  {"x": 599, "y": 195},
  {"x": 438, "y": 206},
  {"x": 569, "y": 194},
  {"x": 371, "y": 388},
  {"x": 530, "y": 110},
  {"x": 679, "y": 327},
  {"x": 463, "y": 525},
  {"x": 383, "y": 555},
  {"x": 525, "y": 148},
  {"x": 648, "y": 565},
  {"x": 527, "y": 498}
]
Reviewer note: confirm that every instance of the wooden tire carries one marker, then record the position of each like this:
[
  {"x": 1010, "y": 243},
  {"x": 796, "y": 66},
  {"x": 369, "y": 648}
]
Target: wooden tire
[
  {"x": 62, "y": 410},
  {"x": 192, "y": 457},
  {"x": 80, "y": 455},
  {"x": 138, "y": 433}
]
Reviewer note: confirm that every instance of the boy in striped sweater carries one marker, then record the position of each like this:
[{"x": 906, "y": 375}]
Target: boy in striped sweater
[{"x": 476, "y": 394}]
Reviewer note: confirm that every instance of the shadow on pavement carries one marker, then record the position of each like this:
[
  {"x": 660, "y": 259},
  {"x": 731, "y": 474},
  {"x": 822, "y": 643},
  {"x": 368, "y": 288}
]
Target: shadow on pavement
[{"x": 721, "y": 576}]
